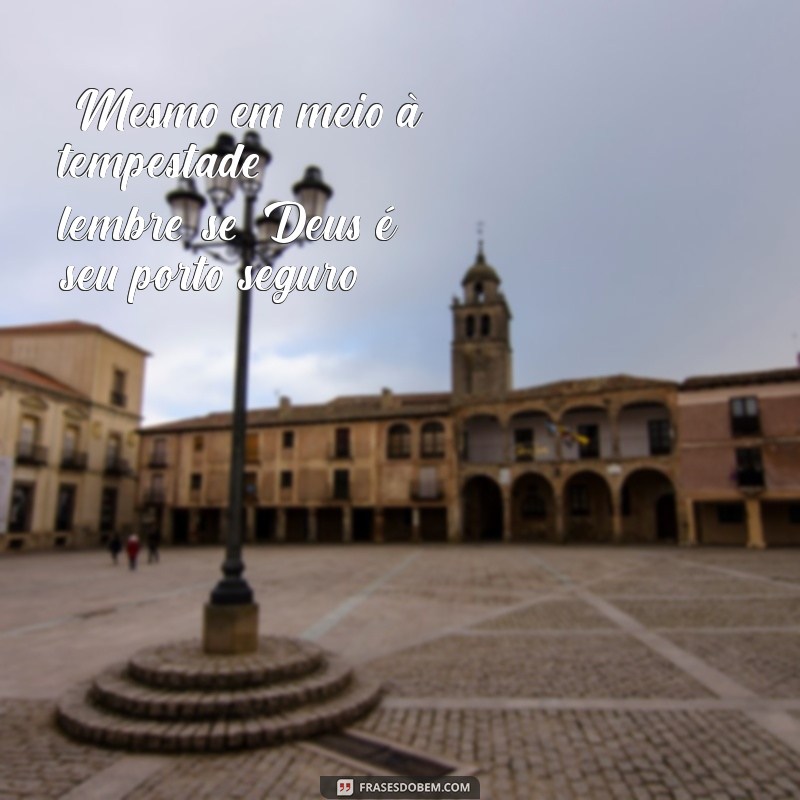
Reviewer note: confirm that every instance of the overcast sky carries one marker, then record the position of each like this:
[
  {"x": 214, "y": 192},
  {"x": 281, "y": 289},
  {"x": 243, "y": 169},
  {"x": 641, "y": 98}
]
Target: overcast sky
[{"x": 636, "y": 166}]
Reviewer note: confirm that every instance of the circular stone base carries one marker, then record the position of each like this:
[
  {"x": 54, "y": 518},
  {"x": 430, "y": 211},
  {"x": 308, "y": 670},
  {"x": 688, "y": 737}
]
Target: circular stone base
[{"x": 177, "y": 698}]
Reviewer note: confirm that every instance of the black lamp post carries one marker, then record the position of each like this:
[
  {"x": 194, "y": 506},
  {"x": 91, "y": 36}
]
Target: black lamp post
[{"x": 251, "y": 245}]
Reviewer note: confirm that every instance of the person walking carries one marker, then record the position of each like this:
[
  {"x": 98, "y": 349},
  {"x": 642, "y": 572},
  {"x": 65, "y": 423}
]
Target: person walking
[
  {"x": 153, "y": 543},
  {"x": 115, "y": 546},
  {"x": 132, "y": 548}
]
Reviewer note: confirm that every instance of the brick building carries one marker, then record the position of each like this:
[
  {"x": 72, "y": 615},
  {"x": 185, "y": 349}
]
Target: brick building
[
  {"x": 615, "y": 459},
  {"x": 70, "y": 404}
]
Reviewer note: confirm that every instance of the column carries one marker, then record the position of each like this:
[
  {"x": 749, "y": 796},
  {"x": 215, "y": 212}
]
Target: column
[
  {"x": 377, "y": 533},
  {"x": 454, "y": 520},
  {"x": 561, "y": 530},
  {"x": 415, "y": 524},
  {"x": 755, "y": 529},
  {"x": 616, "y": 518},
  {"x": 347, "y": 524},
  {"x": 280, "y": 525},
  {"x": 249, "y": 524},
  {"x": 688, "y": 523},
  {"x": 507, "y": 514},
  {"x": 312, "y": 525}
]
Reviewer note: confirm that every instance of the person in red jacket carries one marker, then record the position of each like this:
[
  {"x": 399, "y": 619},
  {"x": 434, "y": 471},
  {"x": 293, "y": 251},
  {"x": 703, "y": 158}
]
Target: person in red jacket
[{"x": 132, "y": 548}]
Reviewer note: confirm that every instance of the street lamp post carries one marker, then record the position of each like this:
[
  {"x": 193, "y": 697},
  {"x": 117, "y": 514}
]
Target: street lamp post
[{"x": 231, "y": 616}]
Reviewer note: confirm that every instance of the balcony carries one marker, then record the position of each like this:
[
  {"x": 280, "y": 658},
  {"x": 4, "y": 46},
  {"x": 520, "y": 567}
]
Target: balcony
[
  {"x": 157, "y": 461},
  {"x": 76, "y": 462},
  {"x": 31, "y": 454},
  {"x": 117, "y": 467}
]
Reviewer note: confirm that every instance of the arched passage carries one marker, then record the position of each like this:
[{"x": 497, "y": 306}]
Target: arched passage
[
  {"x": 587, "y": 508},
  {"x": 482, "y": 504},
  {"x": 533, "y": 508},
  {"x": 648, "y": 507}
]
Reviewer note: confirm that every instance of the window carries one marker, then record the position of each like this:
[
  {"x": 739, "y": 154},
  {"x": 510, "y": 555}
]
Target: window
[
  {"x": 523, "y": 444},
  {"x": 533, "y": 504},
  {"x": 730, "y": 513},
  {"x": 28, "y": 446},
  {"x": 196, "y": 482},
  {"x": 342, "y": 443},
  {"x": 198, "y": 443},
  {"x": 251, "y": 448},
  {"x": 70, "y": 457},
  {"x": 486, "y": 325},
  {"x": 470, "y": 326},
  {"x": 341, "y": 484},
  {"x": 118, "y": 397},
  {"x": 157, "y": 488},
  {"x": 113, "y": 452},
  {"x": 288, "y": 440},
  {"x": 21, "y": 510},
  {"x": 659, "y": 433},
  {"x": 432, "y": 444},
  {"x": 250, "y": 487},
  {"x": 65, "y": 507},
  {"x": 749, "y": 467},
  {"x": 286, "y": 479},
  {"x": 398, "y": 444},
  {"x": 479, "y": 293},
  {"x": 108, "y": 509},
  {"x": 579, "y": 500},
  {"x": 590, "y": 448},
  {"x": 158, "y": 458},
  {"x": 745, "y": 418},
  {"x": 428, "y": 487}
]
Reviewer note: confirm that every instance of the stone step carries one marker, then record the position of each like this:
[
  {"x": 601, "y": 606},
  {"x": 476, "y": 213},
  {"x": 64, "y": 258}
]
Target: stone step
[
  {"x": 116, "y": 691},
  {"x": 185, "y": 667},
  {"x": 80, "y": 718}
]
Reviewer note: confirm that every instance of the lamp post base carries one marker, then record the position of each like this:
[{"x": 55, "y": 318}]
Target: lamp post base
[{"x": 230, "y": 630}]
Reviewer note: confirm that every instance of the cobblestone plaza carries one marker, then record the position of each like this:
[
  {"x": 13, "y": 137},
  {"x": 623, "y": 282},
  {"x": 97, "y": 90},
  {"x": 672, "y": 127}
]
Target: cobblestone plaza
[{"x": 548, "y": 672}]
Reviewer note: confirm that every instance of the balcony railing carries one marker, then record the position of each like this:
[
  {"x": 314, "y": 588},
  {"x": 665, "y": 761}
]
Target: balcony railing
[
  {"x": 31, "y": 454},
  {"x": 426, "y": 496},
  {"x": 116, "y": 466},
  {"x": 157, "y": 461},
  {"x": 118, "y": 399},
  {"x": 74, "y": 461}
]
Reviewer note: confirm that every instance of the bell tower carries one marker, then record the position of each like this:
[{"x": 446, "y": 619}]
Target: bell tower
[{"x": 481, "y": 353}]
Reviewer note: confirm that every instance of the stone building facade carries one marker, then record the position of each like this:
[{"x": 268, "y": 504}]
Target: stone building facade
[
  {"x": 740, "y": 458},
  {"x": 615, "y": 459},
  {"x": 70, "y": 405}
]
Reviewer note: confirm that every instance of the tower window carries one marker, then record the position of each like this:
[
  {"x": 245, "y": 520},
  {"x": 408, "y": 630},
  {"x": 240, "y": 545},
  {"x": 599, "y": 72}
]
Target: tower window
[
  {"x": 470, "y": 327},
  {"x": 486, "y": 325},
  {"x": 479, "y": 295}
]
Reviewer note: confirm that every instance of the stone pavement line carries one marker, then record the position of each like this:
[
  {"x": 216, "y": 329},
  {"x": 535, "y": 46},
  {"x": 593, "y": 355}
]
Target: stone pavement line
[
  {"x": 335, "y": 616},
  {"x": 779, "y": 723},
  {"x": 589, "y": 704},
  {"x": 558, "y": 593},
  {"x": 84, "y": 615},
  {"x": 118, "y": 780},
  {"x": 784, "y": 584}
]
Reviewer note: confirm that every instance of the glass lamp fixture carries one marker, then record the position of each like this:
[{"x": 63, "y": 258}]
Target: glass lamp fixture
[
  {"x": 267, "y": 224},
  {"x": 221, "y": 188},
  {"x": 187, "y": 203},
  {"x": 312, "y": 192},
  {"x": 252, "y": 147}
]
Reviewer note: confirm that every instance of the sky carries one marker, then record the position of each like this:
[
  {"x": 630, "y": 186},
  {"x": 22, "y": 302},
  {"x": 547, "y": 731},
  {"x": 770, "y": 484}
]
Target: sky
[{"x": 635, "y": 166}]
